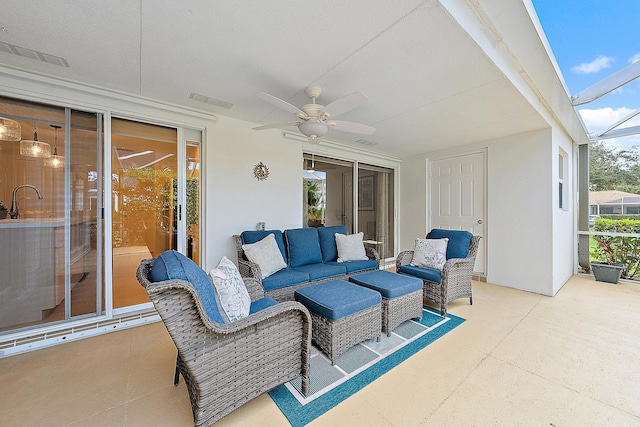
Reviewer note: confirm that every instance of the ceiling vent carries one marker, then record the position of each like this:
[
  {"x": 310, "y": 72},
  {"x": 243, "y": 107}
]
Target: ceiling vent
[
  {"x": 33, "y": 54},
  {"x": 209, "y": 100},
  {"x": 365, "y": 142}
]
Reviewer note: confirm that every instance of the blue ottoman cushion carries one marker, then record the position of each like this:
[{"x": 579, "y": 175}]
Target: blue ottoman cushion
[
  {"x": 171, "y": 265},
  {"x": 433, "y": 276},
  {"x": 390, "y": 285},
  {"x": 336, "y": 299},
  {"x": 459, "y": 241}
]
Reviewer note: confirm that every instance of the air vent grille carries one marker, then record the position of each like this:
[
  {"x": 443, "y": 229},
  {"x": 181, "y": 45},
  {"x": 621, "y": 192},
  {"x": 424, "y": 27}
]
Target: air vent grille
[
  {"x": 33, "y": 54},
  {"x": 365, "y": 142},
  {"x": 209, "y": 100}
]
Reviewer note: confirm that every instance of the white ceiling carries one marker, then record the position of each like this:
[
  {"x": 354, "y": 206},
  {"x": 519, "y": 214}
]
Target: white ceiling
[{"x": 429, "y": 84}]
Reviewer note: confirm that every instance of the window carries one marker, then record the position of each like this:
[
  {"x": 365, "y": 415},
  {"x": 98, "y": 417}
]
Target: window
[{"x": 562, "y": 173}]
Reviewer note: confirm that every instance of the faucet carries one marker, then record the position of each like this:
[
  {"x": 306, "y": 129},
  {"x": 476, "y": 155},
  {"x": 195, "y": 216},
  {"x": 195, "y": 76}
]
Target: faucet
[{"x": 14, "y": 212}]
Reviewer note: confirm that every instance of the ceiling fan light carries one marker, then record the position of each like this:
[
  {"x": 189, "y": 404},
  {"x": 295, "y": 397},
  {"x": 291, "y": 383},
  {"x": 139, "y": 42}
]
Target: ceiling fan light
[
  {"x": 9, "y": 130},
  {"x": 313, "y": 130}
]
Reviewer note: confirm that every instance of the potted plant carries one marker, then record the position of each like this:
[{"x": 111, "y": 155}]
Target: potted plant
[
  {"x": 610, "y": 270},
  {"x": 3, "y": 211}
]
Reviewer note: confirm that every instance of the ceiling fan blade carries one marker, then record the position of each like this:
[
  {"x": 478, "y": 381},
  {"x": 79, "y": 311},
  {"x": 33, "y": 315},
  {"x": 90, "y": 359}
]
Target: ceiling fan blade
[
  {"x": 344, "y": 104},
  {"x": 352, "y": 127},
  {"x": 280, "y": 103},
  {"x": 277, "y": 125}
]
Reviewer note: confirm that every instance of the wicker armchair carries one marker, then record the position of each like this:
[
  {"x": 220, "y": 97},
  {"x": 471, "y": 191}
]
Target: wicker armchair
[
  {"x": 455, "y": 279},
  {"x": 226, "y": 365}
]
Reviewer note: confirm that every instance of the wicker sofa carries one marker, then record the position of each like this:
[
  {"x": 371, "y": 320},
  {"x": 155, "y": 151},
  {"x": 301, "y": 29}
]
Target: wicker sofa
[
  {"x": 311, "y": 257},
  {"x": 225, "y": 365},
  {"x": 454, "y": 281}
]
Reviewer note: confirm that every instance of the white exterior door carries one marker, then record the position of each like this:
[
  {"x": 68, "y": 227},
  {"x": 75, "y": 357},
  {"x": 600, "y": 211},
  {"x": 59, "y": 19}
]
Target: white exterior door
[{"x": 458, "y": 197}]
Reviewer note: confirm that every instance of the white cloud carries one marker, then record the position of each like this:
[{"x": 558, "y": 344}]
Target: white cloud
[
  {"x": 594, "y": 66},
  {"x": 598, "y": 120},
  {"x": 635, "y": 58}
]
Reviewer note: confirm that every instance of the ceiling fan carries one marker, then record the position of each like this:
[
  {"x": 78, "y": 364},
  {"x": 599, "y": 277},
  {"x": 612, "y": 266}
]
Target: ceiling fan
[{"x": 314, "y": 119}]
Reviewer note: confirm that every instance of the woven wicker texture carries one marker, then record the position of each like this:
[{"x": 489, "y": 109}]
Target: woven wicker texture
[
  {"x": 226, "y": 365},
  {"x": 399, "y": 309},
  {"x": 252, "y": 270},
  {"x": 456, "y": 277},
  {"x": 334, "y": 338}
]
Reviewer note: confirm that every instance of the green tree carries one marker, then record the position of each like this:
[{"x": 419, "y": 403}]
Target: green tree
[{"x": 613, "y": 169}]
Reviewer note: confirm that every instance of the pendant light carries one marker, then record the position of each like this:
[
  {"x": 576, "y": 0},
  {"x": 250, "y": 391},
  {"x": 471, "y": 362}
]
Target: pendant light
[
  {"x": 33, "y": 147},
  {"x": 9, "y": 130},
  {"x": 311, "y": 166},
  {"x": 55, "y": 161}
]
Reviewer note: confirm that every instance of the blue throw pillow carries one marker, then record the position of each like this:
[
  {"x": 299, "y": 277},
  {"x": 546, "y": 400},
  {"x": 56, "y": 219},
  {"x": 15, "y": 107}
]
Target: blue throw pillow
[
  {"x": 459, "y": 241},
  {"x": 327, "y": 237},
  {"x": 303, "y": 246},
  {"x": 173, "y": 265}
]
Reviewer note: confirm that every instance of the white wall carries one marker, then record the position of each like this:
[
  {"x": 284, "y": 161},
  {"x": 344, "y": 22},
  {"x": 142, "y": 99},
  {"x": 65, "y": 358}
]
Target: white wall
[
  {"x": 236, "y": 201},
  {"x": 564, "y": 231},
  {"x": 519, "y": 219},
  {"x": 413, "y": 201}
]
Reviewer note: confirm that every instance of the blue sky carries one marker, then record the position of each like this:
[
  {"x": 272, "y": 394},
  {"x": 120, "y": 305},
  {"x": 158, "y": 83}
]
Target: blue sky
[{"x": 592, "y": 39}]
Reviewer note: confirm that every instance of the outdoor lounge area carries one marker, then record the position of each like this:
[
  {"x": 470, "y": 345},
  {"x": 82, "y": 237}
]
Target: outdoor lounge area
[{"x": 519, "y": 359}]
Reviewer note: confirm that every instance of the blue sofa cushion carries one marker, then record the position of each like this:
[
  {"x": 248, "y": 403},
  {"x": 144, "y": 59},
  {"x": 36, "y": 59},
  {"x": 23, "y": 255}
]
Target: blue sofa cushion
[
  {"x": 284, "y": 277},
  {"x": 390, "y": 285},
  {"x": 171, "y": 265},
  {"x": 353, "y": 266},
  {"x": 433, "y": 276},
  {"x": 327, "y": 238},
  {"x": 459, "y": 241},
  {"x": 261, "y": 304},
  {"x": 321, "y": 271},
  {"x": 336, "y": 299},
  {"x": 253, "y": 236},
  {"x": 303, "y": 246}
]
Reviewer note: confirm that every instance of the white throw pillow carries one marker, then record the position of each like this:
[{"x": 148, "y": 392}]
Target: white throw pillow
[
  {"x": 430, "y": 253},
  {"x": 231, "y": 293},
  {"x": 350, "y": 247},
  {"x": 266, "y": 254}
]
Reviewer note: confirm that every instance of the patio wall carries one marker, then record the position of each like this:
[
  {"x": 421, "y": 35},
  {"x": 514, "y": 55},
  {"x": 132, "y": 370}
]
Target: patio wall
[{"x": 529, "y": 242}]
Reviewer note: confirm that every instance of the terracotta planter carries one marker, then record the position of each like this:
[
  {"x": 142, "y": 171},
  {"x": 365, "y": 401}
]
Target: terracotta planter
[{"x": 609, "y": 273}]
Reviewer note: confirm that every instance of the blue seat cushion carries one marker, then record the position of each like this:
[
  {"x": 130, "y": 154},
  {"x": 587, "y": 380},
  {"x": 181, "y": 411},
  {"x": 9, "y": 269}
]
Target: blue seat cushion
[
  {"x": 321, "y": 270},
  {"x": 336, "y": 299},
  {"x": 253, "y": 236},
  {"x": 433, "y": 276},
  {"x": 261, "y": 304},
  {"x": 327, "y": 238},
  {"x": 459, "y": 241},
  {"x": 353, "y": 266},
  {"x": 390, "y": 285},
  {"x": 303, "y": 246},
  {"x": 284, "y": 277},
  {"x": 171, "y": 265}
]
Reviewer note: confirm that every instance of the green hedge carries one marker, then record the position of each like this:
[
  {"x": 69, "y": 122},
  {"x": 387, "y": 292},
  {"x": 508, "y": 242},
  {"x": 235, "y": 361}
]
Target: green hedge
[{"x": 625, "y": 250}]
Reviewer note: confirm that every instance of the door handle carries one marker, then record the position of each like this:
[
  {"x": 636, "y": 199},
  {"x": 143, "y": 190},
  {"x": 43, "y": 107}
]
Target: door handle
[{"x": 479, "y": 221}]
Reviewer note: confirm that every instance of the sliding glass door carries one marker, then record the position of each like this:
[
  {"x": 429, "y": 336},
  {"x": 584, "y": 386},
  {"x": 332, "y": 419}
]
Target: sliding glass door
[{"x": 330, "y": 199}]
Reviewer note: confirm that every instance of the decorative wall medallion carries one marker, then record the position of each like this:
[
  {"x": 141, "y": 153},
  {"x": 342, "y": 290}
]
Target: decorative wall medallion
[{"x": 261, "y": 171}]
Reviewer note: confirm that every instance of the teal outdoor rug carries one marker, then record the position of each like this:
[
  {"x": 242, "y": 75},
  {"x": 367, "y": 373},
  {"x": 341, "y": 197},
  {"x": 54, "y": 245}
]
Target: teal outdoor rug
[{"x": 357, "y": 367}]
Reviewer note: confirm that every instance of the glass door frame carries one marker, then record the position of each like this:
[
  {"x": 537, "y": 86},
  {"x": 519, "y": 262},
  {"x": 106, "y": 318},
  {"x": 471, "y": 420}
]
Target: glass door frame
[{"x": 181, "y": 224}]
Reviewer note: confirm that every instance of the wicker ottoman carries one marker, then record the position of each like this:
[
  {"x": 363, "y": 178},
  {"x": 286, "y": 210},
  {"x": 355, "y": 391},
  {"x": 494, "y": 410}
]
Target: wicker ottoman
[
  {"x": 342, "y": 315},
  {"x": 401, "y": 296}
]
